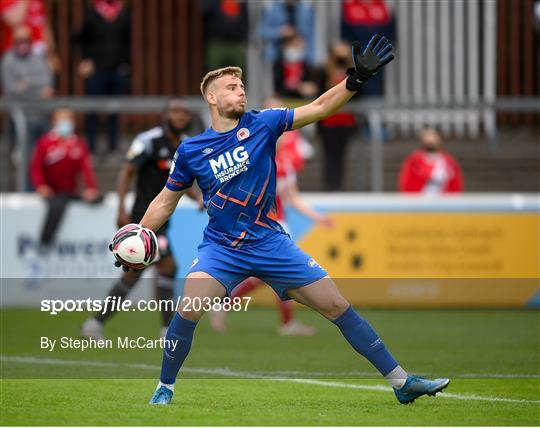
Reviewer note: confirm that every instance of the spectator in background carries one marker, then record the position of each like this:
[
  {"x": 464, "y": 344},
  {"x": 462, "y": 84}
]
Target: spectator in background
[
  {"x": 293, "y": 76},
  {"x": 336, "y": 130},
  {"x": 33, "y": 15},
  {"x": 59, "y": 158},
  {"x": 26, "y": 75},
  {"x": 360, "y": 19},
  {"x": 226, "y": 28},
  {"x": 430, "y": 169},
  {"x": 280, "y": 20},
  {"x": 105, "y": 43}
]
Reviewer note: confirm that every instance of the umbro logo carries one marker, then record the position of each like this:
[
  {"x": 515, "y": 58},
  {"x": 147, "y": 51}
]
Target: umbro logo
[{"x": 208, "y": 150}]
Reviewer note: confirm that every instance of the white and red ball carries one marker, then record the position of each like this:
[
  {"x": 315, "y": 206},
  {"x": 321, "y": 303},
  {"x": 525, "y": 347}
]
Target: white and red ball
[{"x": 135, "y": 246}]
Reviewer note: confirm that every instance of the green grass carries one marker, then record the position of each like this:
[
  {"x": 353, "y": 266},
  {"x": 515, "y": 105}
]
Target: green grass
[{"x": 471, "y": 346}]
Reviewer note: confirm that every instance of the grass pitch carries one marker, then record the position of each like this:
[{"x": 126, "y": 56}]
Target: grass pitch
[{"x": 252, "y": 376}]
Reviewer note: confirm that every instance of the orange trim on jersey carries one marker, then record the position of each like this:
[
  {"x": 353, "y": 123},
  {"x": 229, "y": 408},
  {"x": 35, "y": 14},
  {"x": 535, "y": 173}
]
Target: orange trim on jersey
[
  {"x": 217, "y": 206},
  {"x": 272, "y": 215},
  {"x": 236, "y": 201},
  {"x": 230, "y": 198},
  {"x": 237, "y": 240},
  {"x": 257, "y": 220}
]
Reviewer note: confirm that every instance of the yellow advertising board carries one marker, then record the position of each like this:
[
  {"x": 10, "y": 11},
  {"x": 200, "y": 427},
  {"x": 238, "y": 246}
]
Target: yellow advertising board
[{"x": 428, "y": 245}]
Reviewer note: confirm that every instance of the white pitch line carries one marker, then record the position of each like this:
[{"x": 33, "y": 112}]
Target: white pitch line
[
  {"x": 250, "y": 375},
  {"x": 373, "y": 373},
  {"x": 387, "y": 388}
]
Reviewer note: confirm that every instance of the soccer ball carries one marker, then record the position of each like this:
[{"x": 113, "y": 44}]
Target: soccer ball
[{"x": 135, "y": 246}]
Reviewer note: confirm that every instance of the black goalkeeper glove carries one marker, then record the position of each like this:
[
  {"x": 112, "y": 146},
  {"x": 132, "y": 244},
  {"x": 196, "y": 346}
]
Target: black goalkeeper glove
[{"x": 369, "y": 61}]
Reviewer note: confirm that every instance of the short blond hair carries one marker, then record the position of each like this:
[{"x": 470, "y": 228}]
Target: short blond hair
[{"x": 216, "y": 74}]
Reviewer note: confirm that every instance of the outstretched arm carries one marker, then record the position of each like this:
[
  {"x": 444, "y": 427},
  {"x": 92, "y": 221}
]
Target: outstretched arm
[
  {"x": 161, "y": 208},
  {"x": 367, "y": 62}
]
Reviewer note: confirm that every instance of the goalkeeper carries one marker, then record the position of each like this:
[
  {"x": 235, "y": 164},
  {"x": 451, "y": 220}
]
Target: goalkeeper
[{"x": 233, "y": 163}]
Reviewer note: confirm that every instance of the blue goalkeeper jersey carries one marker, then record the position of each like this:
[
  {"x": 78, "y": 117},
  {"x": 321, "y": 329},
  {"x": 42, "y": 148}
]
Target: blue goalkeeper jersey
[{"x": 236, "y": 172}]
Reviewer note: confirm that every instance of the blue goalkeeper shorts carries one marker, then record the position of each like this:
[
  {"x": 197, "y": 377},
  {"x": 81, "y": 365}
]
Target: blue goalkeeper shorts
[{"x": 277, "y": 261}]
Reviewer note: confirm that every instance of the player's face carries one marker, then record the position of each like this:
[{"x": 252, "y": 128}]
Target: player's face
[{"x": 230, "y": 97}]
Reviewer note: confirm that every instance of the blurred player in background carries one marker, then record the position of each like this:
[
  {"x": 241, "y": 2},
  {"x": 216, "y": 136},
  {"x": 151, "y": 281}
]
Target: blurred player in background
[
  {"x": 149, "y": 159},
  {"x": 291, "y": 151},
  {"x": 233, "y": 163}
]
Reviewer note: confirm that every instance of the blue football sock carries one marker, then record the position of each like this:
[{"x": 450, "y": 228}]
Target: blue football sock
[
  {"x": 180, "y": 331},
  {"x": 365, "y": 340}
]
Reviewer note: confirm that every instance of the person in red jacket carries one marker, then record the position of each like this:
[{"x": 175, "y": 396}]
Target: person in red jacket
[
  {"x": 430, "y": 169},
  {"x": 59, "y": 157}
]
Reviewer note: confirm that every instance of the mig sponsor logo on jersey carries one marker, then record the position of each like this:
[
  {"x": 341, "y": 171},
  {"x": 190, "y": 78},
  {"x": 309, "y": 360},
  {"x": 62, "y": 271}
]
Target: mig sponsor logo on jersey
[
  {"x": 230, "y": 164},
  {"x": 242, "y": 134}
]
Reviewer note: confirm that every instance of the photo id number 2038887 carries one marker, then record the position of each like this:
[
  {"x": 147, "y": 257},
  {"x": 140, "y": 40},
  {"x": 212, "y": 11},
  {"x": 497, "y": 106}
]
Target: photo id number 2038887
[{"x": 236, "y": 304}]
